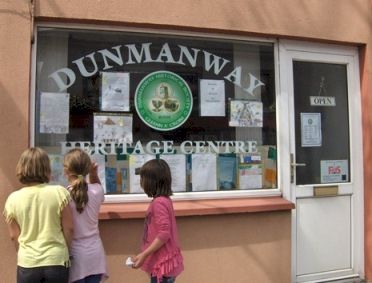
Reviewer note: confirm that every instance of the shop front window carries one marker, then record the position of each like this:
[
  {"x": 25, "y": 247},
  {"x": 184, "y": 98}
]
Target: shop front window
[{"x": 205, "y": 105}]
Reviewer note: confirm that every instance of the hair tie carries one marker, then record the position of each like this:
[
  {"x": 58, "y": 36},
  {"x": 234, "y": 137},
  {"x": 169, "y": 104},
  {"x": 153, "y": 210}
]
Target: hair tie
[{"x": 80, "y": 177}]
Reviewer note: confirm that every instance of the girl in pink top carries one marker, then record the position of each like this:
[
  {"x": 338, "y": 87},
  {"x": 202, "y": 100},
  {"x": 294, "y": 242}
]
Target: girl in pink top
[
  {"x": 161, "y": 256},
  {"x": 88, "y": 264}
]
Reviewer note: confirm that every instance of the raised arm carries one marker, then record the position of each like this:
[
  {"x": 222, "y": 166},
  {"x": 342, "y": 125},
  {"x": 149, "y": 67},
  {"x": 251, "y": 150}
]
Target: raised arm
[{"x": 93, "y": 174}]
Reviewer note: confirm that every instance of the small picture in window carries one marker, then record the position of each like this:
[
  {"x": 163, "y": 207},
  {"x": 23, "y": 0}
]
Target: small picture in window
[
  {"x": 111, "y": 127},
  {"x": 246, "y": 113}
]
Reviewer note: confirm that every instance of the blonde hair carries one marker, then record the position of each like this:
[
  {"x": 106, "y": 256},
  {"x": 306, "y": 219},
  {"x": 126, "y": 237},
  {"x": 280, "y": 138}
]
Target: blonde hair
[
  {"x": 33, "y": 166},
  {"x": 78, "y": 164}
]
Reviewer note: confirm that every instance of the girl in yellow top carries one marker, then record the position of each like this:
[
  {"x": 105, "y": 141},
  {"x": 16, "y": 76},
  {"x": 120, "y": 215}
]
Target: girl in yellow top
[{"x": 39, "y": 221}]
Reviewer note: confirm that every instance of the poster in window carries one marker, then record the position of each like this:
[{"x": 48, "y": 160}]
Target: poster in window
[
  {"x": 204, "y": 171},
  {"x": 311, "y": 130},
  {"x": 122, "y": 176},
  {"x": 56, "y": 166},
  {"x": 111, "y": 127},
  {"x": 114, "y": 91},
  {"x": 54, "y": 112},
  {"x": 227, "y": 169},
  {"x": 177, "y": 165},
  {"x": 110, "y": 173},
  {"x": 246, "y": 113},
  {"x": 250, "y": 176},
  {"x": 212, "y": 98}
]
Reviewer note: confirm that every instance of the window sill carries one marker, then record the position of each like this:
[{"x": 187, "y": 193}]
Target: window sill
[{"x": 198, "y": 207}]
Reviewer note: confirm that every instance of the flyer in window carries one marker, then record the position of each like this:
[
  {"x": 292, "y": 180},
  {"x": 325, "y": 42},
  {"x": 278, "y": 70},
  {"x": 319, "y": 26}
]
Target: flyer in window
[
  {"x": 204, "y": 171},
  {"x": 227, "y": 164},
  {"x": 334, "y": 171},
  {"x": 212, "y": 98},
  {"x": 56, "y": 166},
  {"x": 110, "y": 173},
  {"x": 136, "y": 161},
  {"x": 311, "y": 130},
  {"x": 250, "y": 176},
  {"x": 110, "y": 127},
  {"x": 54, "y": 112},
  {"x": 177, "y": 165},
  {"x": 122, "y": 176},
  {"x": 245, "y": 113},
  {"x": 114, "y": 91}
]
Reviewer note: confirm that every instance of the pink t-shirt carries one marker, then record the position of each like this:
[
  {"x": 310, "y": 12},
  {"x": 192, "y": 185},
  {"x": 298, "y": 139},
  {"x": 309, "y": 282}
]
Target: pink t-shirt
[
  {"x": 160, "y": 222},
  {"x": 86, "y": 248}
]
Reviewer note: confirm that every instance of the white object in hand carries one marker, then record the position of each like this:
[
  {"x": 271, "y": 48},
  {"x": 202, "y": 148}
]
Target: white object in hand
[{"x": 129, "y": 262}]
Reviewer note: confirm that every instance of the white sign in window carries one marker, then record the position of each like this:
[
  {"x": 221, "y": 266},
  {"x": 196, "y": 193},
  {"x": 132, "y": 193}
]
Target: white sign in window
[
  {"x": 334, "y": 171},
  {"x": 311, "y": 130}
]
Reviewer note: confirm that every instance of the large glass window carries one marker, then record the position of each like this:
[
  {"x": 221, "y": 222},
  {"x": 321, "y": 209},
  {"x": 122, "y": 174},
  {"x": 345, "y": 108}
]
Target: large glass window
[{"x": 205, "y": 105}]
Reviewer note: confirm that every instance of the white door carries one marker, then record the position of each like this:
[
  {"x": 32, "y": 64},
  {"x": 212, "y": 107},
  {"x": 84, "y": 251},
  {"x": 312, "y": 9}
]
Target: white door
[{"x": 322, "y": 159}]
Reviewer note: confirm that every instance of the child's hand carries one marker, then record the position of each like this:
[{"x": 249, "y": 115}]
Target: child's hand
[
  {"x": 93, "y": 168},
  {"x": 93, "y": 174},
  {"x": 138, "y": 260}
]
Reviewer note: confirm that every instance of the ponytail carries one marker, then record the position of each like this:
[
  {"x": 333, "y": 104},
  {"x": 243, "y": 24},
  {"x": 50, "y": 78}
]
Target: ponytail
[
  {"x": 79, "y": 193},
  {"x": 77, "y": 165}
]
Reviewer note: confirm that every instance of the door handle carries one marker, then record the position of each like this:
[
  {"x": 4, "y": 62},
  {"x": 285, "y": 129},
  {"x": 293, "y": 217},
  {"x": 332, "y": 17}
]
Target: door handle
[
  {"x": 293, "y": 166},
  {"x": 298, "y": 164}
]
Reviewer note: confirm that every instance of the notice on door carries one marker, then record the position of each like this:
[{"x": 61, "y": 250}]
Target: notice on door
[
  {"x": 334, "y": 171},
  {"x": 311, "y": 130}
]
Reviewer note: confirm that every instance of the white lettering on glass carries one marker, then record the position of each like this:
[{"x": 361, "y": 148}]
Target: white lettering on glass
[
  {"x": 162, "y": 147},
  {"x": 140, "y": 54}
]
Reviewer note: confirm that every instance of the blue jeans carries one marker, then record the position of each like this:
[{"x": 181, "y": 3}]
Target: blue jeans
[
  {"x": 95, "y": 278},
  {"x": 163, "y": 280},
  {"x": 43, "y": 274}
]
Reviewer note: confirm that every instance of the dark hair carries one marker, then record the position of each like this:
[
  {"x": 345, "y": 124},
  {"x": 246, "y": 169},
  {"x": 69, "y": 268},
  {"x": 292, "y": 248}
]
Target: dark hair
[
  {"x": 33, "y": 166},
  {"x": 156, "y": 178},
  {"x": 78, "y": 164}
]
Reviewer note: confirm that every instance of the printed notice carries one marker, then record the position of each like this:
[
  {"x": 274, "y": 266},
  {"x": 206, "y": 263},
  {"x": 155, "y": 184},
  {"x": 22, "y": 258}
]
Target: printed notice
[
  {"x": 311, "y": 130},
  {"x": 204, "y": 172},
  {"x": 54, "y": 112},
  {"x": 334, "y": 171},
  {"x": 212, "y": 98},
  {"x": 115, "y": 91},
  {"x": 177, "y": 165}
]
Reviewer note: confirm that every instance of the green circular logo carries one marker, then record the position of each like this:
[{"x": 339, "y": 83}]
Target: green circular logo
[{"x": 163, "y": 100}]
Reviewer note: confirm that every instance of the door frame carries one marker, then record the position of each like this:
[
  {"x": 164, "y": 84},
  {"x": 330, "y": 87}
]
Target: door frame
[{"x": 288, "y": 51}]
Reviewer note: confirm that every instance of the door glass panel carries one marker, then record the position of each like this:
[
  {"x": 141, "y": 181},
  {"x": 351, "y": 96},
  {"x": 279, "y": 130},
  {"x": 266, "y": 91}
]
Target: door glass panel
[{"x": 321, "y": 123}]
